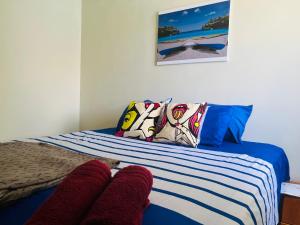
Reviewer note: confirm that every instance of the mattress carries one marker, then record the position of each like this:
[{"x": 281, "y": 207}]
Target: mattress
[{"x": 231, "y": 184}]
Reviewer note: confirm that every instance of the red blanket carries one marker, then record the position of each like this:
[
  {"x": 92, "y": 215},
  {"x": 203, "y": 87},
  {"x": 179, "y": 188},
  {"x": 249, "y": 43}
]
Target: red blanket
[
  {"x": 124, "y": 200},
  {"x": 74, "y": 196}
]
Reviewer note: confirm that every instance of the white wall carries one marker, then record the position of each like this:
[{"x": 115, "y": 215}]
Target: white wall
[
  {"x": 118, "y": 65},
  {"x": 40, "y": 45}
]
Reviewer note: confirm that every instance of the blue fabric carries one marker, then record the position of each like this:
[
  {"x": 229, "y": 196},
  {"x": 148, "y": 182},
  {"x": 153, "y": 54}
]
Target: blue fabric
[
  {"x": 22, "y": 210},
  {"x": 267, "y": 152},
  {"x": 19, "y": 212},
  {"x": 121, "y": 119},
  {"x": 215, "y": 125},
  {"x": 165, "y": 216},
  {"x": 239, "y": 117},
  {"x": 238, "y": 123}
]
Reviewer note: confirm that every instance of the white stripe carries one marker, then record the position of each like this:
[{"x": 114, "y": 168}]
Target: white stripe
[
  {"x": 252, "y": 171},
  {"x": 226, "y": 162},
  {"x": 241, "y": 156},
  {"x": 163, "y": 165},
  {"x": 188, "y": 209},
  {"x": 246, "y": 199},
  {"x": 203, "y": 196},
  {"x": 185, "y": 207},
  {"x": 184, "y": 163},
  {"x": 104, "y": 148},
  {"x": 254, "y": 164}
]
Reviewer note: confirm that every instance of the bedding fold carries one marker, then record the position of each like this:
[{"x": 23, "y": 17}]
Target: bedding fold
[{"x": 27, "y": 167}]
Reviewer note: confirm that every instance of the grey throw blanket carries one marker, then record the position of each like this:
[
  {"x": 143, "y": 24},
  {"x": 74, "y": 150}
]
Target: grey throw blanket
[{"x": 28, "y": 167}]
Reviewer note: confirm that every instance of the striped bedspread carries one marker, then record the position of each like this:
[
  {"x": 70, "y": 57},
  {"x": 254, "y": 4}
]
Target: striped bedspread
[{"x": 201, "y": 186}]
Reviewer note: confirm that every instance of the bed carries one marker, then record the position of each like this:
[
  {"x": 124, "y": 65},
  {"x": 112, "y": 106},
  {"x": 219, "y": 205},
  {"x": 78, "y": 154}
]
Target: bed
[{"x": 230, "y": 184}]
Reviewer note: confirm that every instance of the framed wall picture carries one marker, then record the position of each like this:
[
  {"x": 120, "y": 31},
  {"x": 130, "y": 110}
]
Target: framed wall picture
[{"x": 197, "y": 33}]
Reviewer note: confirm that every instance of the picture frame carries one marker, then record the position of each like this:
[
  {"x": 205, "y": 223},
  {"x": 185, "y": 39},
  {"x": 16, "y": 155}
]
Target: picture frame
[{"x": 195, "y": 33}]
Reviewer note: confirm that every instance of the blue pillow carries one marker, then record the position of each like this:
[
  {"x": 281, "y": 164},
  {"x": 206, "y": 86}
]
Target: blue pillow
[
  {"x": 236, "y": 126},
  {"x": 238, "y": 123},
  {"x": 215, "y": 125}
]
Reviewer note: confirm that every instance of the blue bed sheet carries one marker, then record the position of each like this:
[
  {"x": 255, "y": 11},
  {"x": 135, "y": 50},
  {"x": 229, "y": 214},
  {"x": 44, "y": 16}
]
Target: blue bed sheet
[{"x": 21, "y": 211}]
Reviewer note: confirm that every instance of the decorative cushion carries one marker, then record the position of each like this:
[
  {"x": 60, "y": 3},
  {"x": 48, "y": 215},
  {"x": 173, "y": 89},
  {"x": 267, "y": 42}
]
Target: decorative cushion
[
  {"x": 140, "y": 120},
  {"x": 121, "y": 119},
  {"x": 166, "y": 101},
  {"x": 181, "y": 124}
]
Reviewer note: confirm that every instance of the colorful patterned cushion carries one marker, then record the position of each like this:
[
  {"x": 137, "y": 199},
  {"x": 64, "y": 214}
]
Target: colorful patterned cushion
[
  {"x": 181, "y": 124},
  {"x": 140, "y": 120},
  {"x": 121, "y": 119}
]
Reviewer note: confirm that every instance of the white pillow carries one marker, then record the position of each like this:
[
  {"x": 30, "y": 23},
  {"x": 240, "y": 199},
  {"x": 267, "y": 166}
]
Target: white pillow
[{"x": 181, "y": 124}]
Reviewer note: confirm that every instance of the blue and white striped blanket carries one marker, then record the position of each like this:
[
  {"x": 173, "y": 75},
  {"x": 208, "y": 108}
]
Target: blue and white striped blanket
[{"x": 193, "y": 185}]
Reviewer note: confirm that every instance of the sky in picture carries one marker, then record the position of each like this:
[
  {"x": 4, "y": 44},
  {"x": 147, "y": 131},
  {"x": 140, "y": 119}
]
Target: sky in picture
[{"x": 194, "y": 18}]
